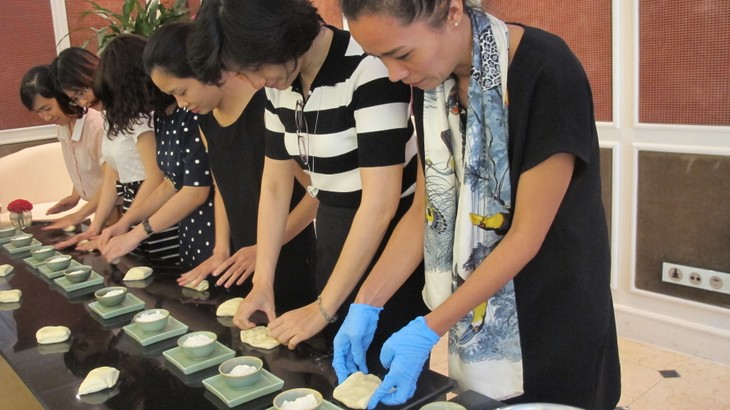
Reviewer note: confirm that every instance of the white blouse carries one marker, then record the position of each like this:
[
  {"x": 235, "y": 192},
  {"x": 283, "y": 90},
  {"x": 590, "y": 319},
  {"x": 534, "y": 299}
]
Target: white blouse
[{"x": 120, "y": 152}]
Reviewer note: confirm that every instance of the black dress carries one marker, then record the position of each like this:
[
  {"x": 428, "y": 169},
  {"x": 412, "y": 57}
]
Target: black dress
[
  {"x": 182, "y": 158},
  {"x": 236, "y": 155}
]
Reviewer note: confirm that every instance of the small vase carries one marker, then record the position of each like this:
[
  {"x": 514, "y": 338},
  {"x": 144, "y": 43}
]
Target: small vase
[{"x": 21, "y": 220}]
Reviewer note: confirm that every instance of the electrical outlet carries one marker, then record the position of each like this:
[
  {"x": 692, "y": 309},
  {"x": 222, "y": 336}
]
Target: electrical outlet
[{"x": 697, "y": 278}]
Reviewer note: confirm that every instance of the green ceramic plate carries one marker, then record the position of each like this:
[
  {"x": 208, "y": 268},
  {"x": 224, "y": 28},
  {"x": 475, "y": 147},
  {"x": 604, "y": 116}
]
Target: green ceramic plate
[
  {"x": 36, "y": 264},
  {"x": 234, "y": 397},
  {"x": 188, "y": 366},
  {"x": 174, "y": 328},
  {"x": 13, "y": 249},
  {"x": 68, "y": 286},
  {"x": 53, "y": 274},
  {"x": 130, "y": 304}
]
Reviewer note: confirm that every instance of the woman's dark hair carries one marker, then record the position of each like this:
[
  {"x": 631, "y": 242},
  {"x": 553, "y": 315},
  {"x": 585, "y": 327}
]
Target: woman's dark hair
[
  {"x": 38, "y": 81},
  {"x": 244, "y": 34},
  {"x": 124, "y": 87},
  {"x": 74, "y": 69},
  {"x": 434, "y": 12},
  {"x": 166, "y": 50}
]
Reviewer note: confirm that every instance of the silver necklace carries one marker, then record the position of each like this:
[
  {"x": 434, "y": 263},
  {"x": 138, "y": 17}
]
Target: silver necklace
[{"x": 311, "y": 189}]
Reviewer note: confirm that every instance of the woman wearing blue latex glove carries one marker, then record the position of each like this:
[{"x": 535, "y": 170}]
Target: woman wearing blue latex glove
[
  {"x": 353, "y": 339},
  {"x": 514, "y": 239}
]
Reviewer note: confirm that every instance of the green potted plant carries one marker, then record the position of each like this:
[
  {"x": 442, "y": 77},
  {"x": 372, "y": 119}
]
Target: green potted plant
[{"x": 135, "y": 18}]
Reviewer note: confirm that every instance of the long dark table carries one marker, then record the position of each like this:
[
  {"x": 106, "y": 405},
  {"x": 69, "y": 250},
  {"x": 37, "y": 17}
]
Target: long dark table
[{"x": 53, "y": 373}]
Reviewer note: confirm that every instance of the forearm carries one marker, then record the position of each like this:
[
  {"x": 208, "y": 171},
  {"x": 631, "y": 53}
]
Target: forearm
[
  {"x": 366, "y": 233},
  {"x": 142, "y": 209},
  {"x": 181, "y": 204},
  {"x": 107, "y": 198},
  {"x": 300, "y": 217},
  {"x": 276, "y": 188},
  {"x": 222, "y": 228}
]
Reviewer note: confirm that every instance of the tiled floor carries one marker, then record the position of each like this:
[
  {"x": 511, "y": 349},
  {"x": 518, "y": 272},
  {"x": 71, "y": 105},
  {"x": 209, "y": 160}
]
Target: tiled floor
[{"x": 699, "y": 385}]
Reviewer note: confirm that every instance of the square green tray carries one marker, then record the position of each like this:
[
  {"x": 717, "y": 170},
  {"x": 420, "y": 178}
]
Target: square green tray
[
  {"x": 53, "y": 274},
  {"x": 7, "y": 238},
  {"x": 174, "y": 328},
  {"x": 189, "y": 366},
  {"x": 68, "y": 286},
  {"x": 13, "y": 249},
  {"x": 34, "y": 263},
  {"x": 130, "y": 304},
  {"x": 234, "y": 397}
]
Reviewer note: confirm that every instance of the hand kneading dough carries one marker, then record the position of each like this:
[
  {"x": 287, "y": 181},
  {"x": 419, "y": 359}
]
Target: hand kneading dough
[
  {"x": 259, "y": 337},
  {"x": 5, "y": 270},
  {"x": 99, "y": 379},
  {"x": 138, "y": 273},
  {"x": 202, "y": 286},
  {"x": 229, "y": 307},
  {"x": 10, "y": 296},
  {"x": 355, "y": 392},
  {"x": 52, "y": 334}
]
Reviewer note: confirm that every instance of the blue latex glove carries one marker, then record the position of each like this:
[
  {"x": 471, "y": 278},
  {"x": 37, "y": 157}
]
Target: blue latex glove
[
  {"x": 353, "y": 340},
  {"x": 404, "y": 354}
]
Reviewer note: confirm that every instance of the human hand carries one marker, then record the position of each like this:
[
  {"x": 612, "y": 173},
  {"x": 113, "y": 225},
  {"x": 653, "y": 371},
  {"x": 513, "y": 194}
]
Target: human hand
[
  {"x": 195, "y": 276},
  {"x": 122, "y": 245},
  {"x": 61, "y": 223},
  {"x": 118, "y": 229},
  {"x": 64, "y": 205},
  {"x": 260, "y": 298},
  {"x": 297, "y": 325},
  {"x": 353, "y": 340},
  {"x": 404, "y": 354},
  {"x": 236, "y": 268},
  {"x": 87, "y": 235}
]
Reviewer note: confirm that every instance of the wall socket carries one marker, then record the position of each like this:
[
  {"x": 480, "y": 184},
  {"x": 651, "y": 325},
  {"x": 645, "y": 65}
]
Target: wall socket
[{"x": 698, "y": 278}]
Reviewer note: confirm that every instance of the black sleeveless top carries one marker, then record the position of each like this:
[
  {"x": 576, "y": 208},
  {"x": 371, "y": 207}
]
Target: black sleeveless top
[{"x": 236, "y": 154}]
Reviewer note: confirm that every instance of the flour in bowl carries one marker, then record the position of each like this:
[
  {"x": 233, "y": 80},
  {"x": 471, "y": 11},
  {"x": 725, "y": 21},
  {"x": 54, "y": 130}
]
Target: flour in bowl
[
  {"x": 242, "y": 370},
  {"x": 307, "y": 402},
  {"x": 197, "y": 340},
  {"x": 151, "y": 317}
]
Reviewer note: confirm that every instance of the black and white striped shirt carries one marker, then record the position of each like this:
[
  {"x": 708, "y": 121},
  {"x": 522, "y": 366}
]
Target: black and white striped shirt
[{"x": 355, "y": 116}]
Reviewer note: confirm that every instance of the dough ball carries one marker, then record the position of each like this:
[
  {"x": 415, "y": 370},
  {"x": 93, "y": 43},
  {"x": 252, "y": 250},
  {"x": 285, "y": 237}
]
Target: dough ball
[
  {"x": 355, "y": 392},
  {"x": 69, "y": 229},
  {"x": 259, "y": 337},
  {"x": 201, "y": 287},
  {"x": 52, "y": 334},
  {"x": 138, "y": 273},
  {"x": 5, "y": 270},
  {"x": 10, "y": 296},
  {"x": 99, "y": 379},
  {"x": 229, "y": 307}
]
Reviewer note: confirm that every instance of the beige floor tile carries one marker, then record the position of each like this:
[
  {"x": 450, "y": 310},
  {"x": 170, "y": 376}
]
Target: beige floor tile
[
  {"x": 636, "y": 381},
  {"x": 652, "y": 357}
]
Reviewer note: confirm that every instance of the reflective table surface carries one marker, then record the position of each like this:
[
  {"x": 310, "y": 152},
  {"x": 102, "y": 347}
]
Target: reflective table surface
[{"x": 53, "y": 373}]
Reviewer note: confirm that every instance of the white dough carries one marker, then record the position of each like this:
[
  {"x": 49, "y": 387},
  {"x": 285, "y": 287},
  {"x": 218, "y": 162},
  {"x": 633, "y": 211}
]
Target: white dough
[
  {"x": 99, "y": 379},
  {"x": 69, "y": 228},
  {"x": 52, "y": 334},
  {"x": 355, "y": 392},
  {"x": 10, "y": 296},
  {"x": 229, "y": 307},
  {"x": 5, "y": 270},
  {"x": 138, "y": 273},
  {"x": 259, "y": 337},
  {"x": 201, "y": 287}
]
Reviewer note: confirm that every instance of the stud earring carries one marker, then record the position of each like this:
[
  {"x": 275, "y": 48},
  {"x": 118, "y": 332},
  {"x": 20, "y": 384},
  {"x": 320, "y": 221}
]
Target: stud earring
[{"x": 456, "y": 24}]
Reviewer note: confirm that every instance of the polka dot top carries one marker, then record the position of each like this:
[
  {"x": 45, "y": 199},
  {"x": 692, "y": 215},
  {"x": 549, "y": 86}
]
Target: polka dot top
[{"x": 182, "y": 158}]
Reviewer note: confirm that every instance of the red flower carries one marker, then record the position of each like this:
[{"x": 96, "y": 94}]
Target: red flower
[{"x": 19, "y": 205}]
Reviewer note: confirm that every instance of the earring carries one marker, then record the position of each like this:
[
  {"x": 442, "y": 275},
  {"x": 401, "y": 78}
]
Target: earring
[{"x": 456, "y": 24}]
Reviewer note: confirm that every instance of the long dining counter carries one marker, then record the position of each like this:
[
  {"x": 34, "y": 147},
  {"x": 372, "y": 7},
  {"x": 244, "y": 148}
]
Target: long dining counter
[{"x": 147, "y": 379}]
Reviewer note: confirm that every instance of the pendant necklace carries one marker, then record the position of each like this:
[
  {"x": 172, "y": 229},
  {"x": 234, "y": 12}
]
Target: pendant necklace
[{"x": 311, "y": 189}]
